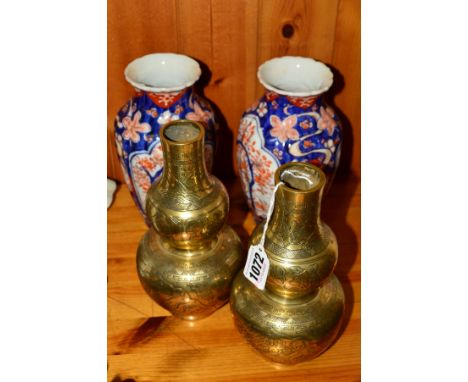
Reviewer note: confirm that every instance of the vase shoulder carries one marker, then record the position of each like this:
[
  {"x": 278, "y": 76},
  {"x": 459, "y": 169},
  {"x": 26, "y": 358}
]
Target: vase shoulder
[
  {"x": 322, "y": 240},
  {"x": 185, "y": 217},
  {"x": 178, "y": 198},
  {"x": 298, "y": 269}
]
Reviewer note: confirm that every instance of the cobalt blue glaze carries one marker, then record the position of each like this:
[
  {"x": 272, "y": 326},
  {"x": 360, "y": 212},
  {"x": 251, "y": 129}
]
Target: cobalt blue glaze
[
  {"x": 137, "y": 126},
  {"x": 279, "y": 129}
]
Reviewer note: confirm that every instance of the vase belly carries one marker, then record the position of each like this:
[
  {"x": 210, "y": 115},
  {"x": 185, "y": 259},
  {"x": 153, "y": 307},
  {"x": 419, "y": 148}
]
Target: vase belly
[
  {"x": 278, "y": 130},
  {"x": 297, "y": 332},
  {"x": 193, "y": 288}
]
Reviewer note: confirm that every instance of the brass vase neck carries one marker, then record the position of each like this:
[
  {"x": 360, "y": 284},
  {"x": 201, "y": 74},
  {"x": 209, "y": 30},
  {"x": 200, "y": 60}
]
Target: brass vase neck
[
  {"x": 187, "y": 207},
  {"x": 295, "y": 221},
  {"x": 183, "y": 148}
]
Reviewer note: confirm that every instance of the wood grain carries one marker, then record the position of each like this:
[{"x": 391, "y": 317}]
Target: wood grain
[
  {"x": 145, "y": 343},
  {"x": 312, "y": 26},
  {"x": 231, "y": 39},
  {"x": 194, "y": 29},
  {"x": 234, "y": 25},
  {"x": 346, "y": 64}
]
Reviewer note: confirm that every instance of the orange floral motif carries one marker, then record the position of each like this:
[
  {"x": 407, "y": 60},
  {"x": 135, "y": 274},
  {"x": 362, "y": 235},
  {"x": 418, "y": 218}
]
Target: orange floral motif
[
  {"x": 166, "y": 100},
  {"x": 142, "y": 179},
  {"x": 157, "y": 155},
  {"x": 147, "y": 163},
  {"x": 316, "y": 162},
  {"x": 262, "y": 207},
  {"x": 284, "y": 129},
  {"x": 278, "y": 153},
  {"x": 179, "y": 109},
  {"x": 303, "y": 102},
  {"x": 261, "y": 177},
  {"x": 133, "y": 127},
  {"x": 144, "y": 168},
  {"x": 305, "y": 124},
  {"x": 271, "y": 96},
  {"x": 199, "y": 114},
  {"x": 260, "y": 172},
  {"x": 153, "y": 112},
  {"x": 326, "y": 122}
]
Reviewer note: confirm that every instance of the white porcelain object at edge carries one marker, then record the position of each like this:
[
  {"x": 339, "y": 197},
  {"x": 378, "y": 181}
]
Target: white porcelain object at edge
[{"x": 111, "y": 187}]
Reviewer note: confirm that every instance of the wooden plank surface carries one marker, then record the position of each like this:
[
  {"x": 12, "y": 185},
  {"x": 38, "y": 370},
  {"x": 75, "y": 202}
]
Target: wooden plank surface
[
  {"x": 145, "y": 343},
  {"x": 231, "y": 39},
  {"x": 234, "y": 60},
  {"x": 295, "y": 28},
  {"x": 346, "y": 92}
]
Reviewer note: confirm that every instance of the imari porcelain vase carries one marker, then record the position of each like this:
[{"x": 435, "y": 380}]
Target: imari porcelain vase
[
  {"x": 298, "y": 314},
  {"x": 163, "y": 84},
  {"x": 290, "y": 123},
  {"x": 188, "y": 259}
]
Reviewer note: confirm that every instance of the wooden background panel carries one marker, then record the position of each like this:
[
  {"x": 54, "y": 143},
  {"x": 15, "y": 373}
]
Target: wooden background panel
[
  {"x": 194, "y": 28},
  {"x": 231, "y": 39},
  {"x": 295, "y": 28},
  {"x": 346, "y": 92},
  {"x": 234, "y": 71}
]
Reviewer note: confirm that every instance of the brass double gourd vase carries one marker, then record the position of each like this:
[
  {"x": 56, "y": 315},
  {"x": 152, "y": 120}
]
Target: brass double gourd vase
[
  {"x": 189, "y": 257},
  {"x": 298, "y": 314}
]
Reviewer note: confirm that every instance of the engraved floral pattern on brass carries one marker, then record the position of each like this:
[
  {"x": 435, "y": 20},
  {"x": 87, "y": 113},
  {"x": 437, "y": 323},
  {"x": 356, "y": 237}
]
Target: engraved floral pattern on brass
[
  {"x": 187, "y": 260},
  {"x": 299, "y": 313}
]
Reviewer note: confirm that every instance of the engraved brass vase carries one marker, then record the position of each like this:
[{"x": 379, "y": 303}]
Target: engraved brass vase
[
  {"x": 298, "y": 314},
  {"x": 188, "y": 259}
]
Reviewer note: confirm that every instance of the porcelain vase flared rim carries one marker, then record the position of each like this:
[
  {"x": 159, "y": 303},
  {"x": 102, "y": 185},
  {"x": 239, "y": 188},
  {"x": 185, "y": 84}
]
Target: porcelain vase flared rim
[
  {"x": 295, "y": 76},
  {"x": 162, "y": 72}
]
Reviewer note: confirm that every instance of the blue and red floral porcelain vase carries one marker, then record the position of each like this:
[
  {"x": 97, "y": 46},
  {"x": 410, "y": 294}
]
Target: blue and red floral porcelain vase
[
  {"x": 163, "y": 84},
  {"x": 290, "y": 123}
]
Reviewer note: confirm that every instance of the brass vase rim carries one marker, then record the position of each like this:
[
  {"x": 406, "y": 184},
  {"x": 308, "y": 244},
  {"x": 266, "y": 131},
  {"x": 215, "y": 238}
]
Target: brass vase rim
[
  {"x": 320, "y": 183},
  {"x": 199, "y": 137}
]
